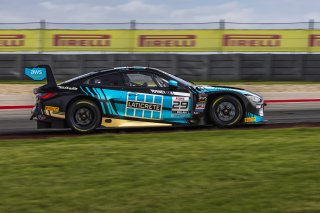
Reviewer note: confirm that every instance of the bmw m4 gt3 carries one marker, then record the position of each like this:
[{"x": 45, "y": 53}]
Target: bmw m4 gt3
[{"x": 140, "y": 97}]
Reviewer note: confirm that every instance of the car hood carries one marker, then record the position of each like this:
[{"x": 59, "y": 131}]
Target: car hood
[{"x": 211, "y": 89}]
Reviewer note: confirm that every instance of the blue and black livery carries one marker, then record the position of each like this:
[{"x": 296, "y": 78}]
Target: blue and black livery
[{"x": 140, "y": 97}]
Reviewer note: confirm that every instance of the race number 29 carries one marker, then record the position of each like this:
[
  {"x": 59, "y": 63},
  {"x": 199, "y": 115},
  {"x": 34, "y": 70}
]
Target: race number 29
[{"x": 180, "y": 105}]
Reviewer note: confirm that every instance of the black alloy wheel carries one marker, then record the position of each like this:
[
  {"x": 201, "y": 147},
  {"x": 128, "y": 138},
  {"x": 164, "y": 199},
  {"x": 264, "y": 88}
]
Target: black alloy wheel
[
  {"x": 226, "y": 111},
  {"x": 83, "y": 116}
]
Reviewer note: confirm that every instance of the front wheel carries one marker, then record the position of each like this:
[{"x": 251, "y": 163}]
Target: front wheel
[
  {"x": 226, "y": 111},
  {"x": 83, "y": 116}
]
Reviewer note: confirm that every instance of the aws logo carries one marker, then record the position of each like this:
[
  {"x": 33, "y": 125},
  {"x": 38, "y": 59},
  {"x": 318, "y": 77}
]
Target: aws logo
[{"x": 37, "y": 74}]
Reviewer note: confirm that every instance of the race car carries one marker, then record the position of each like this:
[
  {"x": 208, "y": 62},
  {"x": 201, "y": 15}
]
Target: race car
[{"x": 140, "y": 97}]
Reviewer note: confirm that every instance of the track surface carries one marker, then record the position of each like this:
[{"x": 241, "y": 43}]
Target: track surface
[{"x": 16, "y": 123}]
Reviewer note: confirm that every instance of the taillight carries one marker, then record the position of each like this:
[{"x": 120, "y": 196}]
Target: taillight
[{"x": 46, "y": 95}]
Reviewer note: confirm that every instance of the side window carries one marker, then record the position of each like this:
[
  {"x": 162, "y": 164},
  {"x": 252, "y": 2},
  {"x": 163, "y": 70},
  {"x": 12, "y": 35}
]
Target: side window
[
  {"x": 161, "y": 81},
  {"x": 112, "y": 80},
  {"x": 140, "y": 80}
]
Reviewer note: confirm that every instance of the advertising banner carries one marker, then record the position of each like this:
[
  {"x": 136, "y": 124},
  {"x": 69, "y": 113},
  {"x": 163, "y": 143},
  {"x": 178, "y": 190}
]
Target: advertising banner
[
  {"x": 176, "y": 40},
  {"x": 160, "y": 40},
  {"x": 88, "y": 40},
  {"x": 265, "y": 41},
  {"x": 19, "y": 40}
]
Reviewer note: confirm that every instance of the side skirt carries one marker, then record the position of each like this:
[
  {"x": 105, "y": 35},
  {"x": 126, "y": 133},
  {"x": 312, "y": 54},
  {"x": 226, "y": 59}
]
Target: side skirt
[{"x": 116, "y": 122}]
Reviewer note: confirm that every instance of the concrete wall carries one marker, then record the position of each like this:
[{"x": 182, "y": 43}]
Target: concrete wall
[{"x": 218, "y": 67}]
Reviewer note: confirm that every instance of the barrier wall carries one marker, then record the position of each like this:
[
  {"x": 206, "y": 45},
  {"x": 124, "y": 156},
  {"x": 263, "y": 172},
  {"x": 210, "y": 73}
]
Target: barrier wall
[
  {"x": 47, "y": 40},
  {"x": 200, "y": 67}
]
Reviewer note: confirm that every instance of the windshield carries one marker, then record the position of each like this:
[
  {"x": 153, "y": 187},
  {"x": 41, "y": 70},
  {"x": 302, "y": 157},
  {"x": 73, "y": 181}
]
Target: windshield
[
  {"x": 77, "y": 78},
  {"x": 184, "y": 82}
]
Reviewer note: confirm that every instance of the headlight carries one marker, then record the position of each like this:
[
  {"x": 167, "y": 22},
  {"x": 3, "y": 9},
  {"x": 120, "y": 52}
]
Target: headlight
[{"x": 254, "y": 98}]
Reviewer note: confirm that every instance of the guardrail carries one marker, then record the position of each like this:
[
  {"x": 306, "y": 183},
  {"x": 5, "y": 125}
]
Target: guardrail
[{"x": 195, "y": 67}]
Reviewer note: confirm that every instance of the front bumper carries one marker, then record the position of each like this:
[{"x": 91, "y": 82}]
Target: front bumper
[{"x": 255, "y": 114}]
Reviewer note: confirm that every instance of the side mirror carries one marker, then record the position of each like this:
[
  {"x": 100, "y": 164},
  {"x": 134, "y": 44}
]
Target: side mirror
[{"x": 173, "y": 84}]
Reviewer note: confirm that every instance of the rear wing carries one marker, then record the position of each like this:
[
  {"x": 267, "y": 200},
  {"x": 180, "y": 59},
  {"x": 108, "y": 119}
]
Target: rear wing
[
  {"x": 51, "y": 81},
  {"x": 40, "y": 73}
]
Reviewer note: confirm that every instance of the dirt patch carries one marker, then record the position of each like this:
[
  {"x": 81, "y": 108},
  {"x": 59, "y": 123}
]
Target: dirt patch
[
  {"x": 9, "y": 89},
  {"x": 14, "y": 89}
]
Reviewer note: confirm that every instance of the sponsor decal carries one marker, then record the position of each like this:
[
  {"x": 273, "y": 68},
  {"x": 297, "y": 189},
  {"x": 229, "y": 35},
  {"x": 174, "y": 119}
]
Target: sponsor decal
[
  {"x": 180, "y": 105},
  {"x": 90, "y": 40},
  {"x": 248, "y": 120},
  {"x": 52, "y": 108},
  {"x": 167, "y": 41},
  {"x": 141, "y": 105},
  {"x": 200, "y": 106},
  {"x": 160, "y": 92},
  {"x": 37, "y": 74},
  {"x": 203, "y": 98},
  {"x": 12, "y": 40},
  {"x": 314, "y": 40},
  {"x": 165, "y": 92},
  {"x": 251, "y": 40},
  {"x": 68, "y": 88}
]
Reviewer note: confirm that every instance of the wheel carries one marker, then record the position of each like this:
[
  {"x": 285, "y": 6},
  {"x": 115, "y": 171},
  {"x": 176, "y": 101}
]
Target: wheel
[
  {"x": 83, "y": 116},
  {"x": 226, "y": 111}
]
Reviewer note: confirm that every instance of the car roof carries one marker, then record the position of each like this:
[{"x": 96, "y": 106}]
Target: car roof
[{"x": 99, "y": 72}]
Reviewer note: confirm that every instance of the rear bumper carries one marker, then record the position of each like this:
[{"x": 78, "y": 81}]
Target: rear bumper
[
  {"x": 37, "y": 113},
  {"x": 46, "y": 119}
]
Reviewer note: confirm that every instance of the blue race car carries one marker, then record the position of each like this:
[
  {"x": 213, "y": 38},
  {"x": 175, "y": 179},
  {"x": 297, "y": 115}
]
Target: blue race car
[{"x": 140, "y": 97}]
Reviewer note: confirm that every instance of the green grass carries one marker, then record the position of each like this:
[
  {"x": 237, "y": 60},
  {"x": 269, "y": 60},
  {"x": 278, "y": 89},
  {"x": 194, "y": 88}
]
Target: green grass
[{"x": 216, "y": 171}]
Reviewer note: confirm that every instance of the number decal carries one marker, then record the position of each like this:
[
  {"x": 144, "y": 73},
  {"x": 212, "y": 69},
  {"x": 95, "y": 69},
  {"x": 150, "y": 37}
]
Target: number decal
[{"x": 180, "y": 105}]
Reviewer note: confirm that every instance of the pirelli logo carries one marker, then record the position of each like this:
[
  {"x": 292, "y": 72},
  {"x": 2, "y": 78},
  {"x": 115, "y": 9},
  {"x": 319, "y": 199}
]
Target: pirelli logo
[
  {"x": 89, "y": 40},
  {"x": 251, "y": 40},
  {"x": 12, "y": 40},
  {"x": 167, "y": 40},
  {"x": 314, "y": 40}
]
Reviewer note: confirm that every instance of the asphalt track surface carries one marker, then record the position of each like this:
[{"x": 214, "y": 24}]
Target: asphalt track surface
[{"x": 16, "y": 123}]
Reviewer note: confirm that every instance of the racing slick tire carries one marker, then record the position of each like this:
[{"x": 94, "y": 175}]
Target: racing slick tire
[
  {"x": 226, "y": 111},
  {"x": 83, "y": 116}
]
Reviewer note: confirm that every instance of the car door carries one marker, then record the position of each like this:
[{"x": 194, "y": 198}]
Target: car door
[
  {"x": 149, "y": 97},
  {"x": 108, "y": 89}
]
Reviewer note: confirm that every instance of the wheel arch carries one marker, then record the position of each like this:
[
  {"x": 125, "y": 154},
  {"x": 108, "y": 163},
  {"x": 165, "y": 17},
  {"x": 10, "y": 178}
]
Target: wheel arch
[
  {"x": 212, "y": 96},
  {"x": 83, "y": 97}
]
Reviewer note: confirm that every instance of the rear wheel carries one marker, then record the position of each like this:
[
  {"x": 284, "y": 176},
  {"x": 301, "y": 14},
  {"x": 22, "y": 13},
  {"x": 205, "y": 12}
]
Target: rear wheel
[
  {"x": 83, "y": 116},
  {"x": 226, "y": 111}
]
